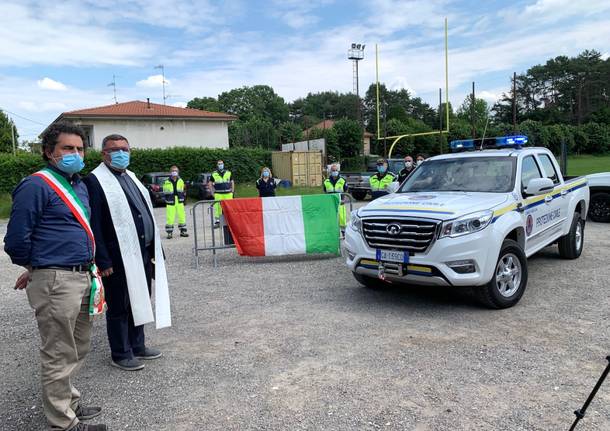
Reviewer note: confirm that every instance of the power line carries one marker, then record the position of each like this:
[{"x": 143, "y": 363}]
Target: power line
[{"x": 22, "y": 117}]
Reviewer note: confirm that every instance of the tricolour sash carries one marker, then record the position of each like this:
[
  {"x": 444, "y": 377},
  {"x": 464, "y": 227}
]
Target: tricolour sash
[{"x": 97, "y": 302}]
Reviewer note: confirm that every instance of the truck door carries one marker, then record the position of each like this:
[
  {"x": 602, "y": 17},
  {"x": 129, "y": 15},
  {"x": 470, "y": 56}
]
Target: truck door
[
  {"x": 533, "y": 207},
  {"x": 557, "y": 203}
]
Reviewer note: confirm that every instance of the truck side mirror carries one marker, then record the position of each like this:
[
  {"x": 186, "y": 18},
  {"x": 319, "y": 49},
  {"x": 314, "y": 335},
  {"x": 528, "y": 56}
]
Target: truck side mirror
[
  {"x": 393, "y": 187},
  {"x": 539, "y": 186}
]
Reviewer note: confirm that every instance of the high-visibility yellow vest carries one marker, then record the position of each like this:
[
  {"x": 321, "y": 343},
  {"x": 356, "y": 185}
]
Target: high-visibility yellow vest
[
  {"x": 222, "y": 182},
  {"x": 381, "y": 184},
  {"x": 169, "y": 192},
  {"x": 339, "y": 186}
]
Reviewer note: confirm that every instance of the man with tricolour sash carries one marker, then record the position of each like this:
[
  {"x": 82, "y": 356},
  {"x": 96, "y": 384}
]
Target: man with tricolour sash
[
  {"x": 129, "y": 255},
  {"x": 49, "y": 234}
]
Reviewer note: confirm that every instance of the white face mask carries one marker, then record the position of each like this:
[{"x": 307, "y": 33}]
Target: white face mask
[
  {"x": 419, "y": 162},
  {"x": 408, "y": 165}
]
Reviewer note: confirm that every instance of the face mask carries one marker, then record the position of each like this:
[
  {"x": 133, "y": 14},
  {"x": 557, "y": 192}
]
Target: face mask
[
  {"x": 119, "y": 159},
  {"x": 381, "y": 169},
  {"x": 174, "y": 174},
  {"x": 70, "y": 163},
  {"x": 408, "y": 165},
  {"x": 419, "y": 162},
  {"x": 266, "y": 174},
  {"x": 334, "y": 173},
  {"x": 221, "y": 167}
]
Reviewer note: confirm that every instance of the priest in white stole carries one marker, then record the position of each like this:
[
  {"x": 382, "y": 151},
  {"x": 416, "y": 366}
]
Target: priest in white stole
[{"x": 128, "y": 254}]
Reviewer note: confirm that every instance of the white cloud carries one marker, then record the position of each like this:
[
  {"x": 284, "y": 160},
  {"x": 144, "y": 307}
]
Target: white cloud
[
  {"x": 51, "y": 84},
  {"x": 490, "y": 97},
  {"x": 31, "y": 106},
  {"x": 153, "y": 81},
  {"x": 179, "y": 104}
]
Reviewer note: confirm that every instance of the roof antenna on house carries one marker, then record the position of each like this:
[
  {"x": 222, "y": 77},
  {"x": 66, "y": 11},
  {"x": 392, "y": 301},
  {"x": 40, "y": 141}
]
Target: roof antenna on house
[
  {"x": 163, "y": 82},
  {"x": 113, "y": 85},
  {"x": 148, "y": 102}
]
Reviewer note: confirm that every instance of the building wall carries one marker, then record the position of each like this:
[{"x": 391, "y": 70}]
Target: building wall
[{"x": 159, "y": 133}]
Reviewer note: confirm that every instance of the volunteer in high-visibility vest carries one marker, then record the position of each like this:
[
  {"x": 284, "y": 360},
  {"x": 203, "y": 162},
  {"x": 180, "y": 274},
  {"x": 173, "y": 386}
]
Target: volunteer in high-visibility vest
[
  {"x": 223, "y": 187},
  {"x": 335, "y": 183},
  {"x": 381, "y": 180},
  {"x": 175, "y": 195}
]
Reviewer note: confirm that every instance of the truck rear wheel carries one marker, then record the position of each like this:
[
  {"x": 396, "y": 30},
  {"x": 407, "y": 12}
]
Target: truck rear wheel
[
  {"x": 599, "y": 210},
  {"x": 508, "y": 283},
  {"x": 370, "y": 282},
  {"x": 359, "y": 195},
  {"x": 570, "y": 245}
]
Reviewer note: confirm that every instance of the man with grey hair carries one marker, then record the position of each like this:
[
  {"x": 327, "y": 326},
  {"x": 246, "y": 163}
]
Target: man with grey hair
[{"x": 129, "y": 255}]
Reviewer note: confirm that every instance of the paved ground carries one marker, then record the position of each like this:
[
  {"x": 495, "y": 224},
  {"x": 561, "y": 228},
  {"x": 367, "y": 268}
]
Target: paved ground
[{"x": 293, "y": 343}]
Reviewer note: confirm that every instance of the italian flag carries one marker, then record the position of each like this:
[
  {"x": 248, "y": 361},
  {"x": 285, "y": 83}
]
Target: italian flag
[{"x": 278, "y": 226}]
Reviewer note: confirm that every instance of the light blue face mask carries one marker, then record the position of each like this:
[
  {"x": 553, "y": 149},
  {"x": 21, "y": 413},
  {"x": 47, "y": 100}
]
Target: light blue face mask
[
  {"x": 266, "y": 174},
  {"x": 70, "y": 163},
  {"x": 221, "y": 167},
  {"x": 119, "y": 159},
  {"x": 381, "y": 169},
  {"x": 334, "y": 173}
]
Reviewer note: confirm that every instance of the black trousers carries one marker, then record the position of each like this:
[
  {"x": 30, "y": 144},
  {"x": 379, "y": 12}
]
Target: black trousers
[{"x": 126, "y": 340}]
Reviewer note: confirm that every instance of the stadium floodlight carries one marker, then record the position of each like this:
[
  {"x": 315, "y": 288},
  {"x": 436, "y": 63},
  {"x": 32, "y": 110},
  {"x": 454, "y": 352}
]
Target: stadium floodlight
[{"x": 353, "y": 46}]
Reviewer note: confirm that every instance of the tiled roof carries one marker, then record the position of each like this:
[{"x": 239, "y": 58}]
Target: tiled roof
[{"x": 138, "y": 109}]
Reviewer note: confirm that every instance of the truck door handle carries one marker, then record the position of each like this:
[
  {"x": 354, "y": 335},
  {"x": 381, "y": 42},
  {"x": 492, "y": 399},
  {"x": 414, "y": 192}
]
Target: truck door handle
[
  {"x": 564, "y": 192},
  {"x": 548, "y": 198}
]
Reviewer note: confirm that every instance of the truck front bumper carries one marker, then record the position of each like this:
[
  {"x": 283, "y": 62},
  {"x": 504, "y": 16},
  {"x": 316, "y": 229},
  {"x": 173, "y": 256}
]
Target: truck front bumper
[{"x": 433, "y": 267}]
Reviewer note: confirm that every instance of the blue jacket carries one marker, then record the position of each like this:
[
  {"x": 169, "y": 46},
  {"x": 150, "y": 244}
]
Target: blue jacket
[{"x": 42, "y": 230}]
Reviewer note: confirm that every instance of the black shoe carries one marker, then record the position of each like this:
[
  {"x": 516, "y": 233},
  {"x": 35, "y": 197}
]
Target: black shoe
[
  {"x": 128, "y": 364},
  {"x": 169, "y": 235},
  {"x": 84, "y": 427},
  {"x": 149, "y": 353},
  {"x": 86, "y": 413},
  {"x": 184, "y": 234}
]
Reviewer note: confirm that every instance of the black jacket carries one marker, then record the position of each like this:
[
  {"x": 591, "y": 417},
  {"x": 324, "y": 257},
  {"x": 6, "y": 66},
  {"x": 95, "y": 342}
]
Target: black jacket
[
  {"x": 266, "y": 188},
  {"x": 404, "y": 174},
  {"x": 108, "y": 253}
]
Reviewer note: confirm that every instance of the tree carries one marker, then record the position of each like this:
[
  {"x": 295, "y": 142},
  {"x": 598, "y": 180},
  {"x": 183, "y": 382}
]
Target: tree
[
  {"x": 325, "y": 105},
  {"x": 259, "y": 101},
  {"x": 255, "y": 132},
  {"x": 290, "y": 132},
  {"x": 481, "y": 113},
  {"x": 204, "y": 104},
  {"x": 349, "y": 137},
  {"x": 6, "y": 134}
]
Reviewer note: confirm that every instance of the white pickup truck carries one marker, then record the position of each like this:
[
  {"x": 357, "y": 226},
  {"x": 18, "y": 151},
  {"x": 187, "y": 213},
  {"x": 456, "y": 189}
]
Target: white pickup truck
[{"x": 470, "y": 218}]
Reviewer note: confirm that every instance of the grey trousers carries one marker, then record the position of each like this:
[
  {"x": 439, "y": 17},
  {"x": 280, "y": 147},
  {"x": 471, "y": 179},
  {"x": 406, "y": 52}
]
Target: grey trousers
[{"x": 61, "y": 301}]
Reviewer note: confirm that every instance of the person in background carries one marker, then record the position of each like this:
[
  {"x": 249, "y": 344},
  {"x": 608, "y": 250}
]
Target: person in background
[
  {"x": 335, "y": 183},
  {"x": 223, "y": 187},
  {"x": 45, "y": 236},
  {"x": 381, "y": 180},
  {"x": 420, "y": 159},
  {"x": 174, "y": 194},
  {"x": 266, "y": 183},
  {"x": 406, "y": 171}
]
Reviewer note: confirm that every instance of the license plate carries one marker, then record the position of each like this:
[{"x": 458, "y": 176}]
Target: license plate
[{"x": 393, "y": 256}]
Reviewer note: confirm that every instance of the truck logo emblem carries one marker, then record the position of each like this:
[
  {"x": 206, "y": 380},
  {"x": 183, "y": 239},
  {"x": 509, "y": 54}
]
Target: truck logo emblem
[
  {"x": 529, "y": 225},
  {"x": 393, "y": 229}
]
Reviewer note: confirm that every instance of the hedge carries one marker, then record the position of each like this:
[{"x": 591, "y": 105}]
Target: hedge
[{"x": 244, "y": 163}]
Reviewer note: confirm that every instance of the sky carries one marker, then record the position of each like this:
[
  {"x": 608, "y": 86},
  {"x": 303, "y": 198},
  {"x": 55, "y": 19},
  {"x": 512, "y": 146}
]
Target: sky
[{"x": 61, "y": 56}]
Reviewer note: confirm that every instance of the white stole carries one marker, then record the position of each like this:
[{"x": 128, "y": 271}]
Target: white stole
[{"x": 129, "y": 244}]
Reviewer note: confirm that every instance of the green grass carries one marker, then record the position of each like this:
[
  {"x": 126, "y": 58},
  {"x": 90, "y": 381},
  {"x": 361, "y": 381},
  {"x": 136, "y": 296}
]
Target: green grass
[
  {"x": 250, "y": 191},
  {"x": 5, "y": 205},
  {"x": 588, "y": 164}
]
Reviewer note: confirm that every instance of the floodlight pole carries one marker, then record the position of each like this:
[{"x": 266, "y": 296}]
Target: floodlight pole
[
  {"x": 472, "y": 113},
  {"x": 440, "y": 120},
  {"x": 162, "y": 67},
  {"x": 356, "y": 53},
  {"x": 514, "y": 102}
]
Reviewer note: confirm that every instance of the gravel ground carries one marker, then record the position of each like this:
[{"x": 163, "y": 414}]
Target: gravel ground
[{"x": 296, "y": 343}]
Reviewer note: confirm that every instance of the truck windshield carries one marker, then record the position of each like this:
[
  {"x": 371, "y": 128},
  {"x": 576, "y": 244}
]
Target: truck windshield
[{"x": 463, "y": 174}]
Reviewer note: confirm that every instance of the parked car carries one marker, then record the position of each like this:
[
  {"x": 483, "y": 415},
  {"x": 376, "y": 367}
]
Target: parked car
[
  {"x": 200, "y": 188},
  {"x": 358, "y": 182},
  {"x": 153, "y": 181}
]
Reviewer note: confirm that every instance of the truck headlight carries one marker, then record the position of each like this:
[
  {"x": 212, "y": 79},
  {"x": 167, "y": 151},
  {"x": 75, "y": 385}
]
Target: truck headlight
[
  {"x": 355, "y": 222},
  {"x": 468, "y": 224}
]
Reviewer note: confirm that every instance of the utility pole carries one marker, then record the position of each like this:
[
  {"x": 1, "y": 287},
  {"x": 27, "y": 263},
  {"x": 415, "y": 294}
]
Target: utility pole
[
  {"x": 162, "y": 67},
  {"x": 472, "y": 113},
  {"x": 113, "y": 85},
  {"x": 13, "y": 136},
  {"x": 514, "y": 102}
]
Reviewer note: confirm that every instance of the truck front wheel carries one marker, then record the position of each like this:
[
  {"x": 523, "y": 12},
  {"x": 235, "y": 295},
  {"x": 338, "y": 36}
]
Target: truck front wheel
[
  {"x": 570, "y": 245},
  {"x": 508, "y": 283}
]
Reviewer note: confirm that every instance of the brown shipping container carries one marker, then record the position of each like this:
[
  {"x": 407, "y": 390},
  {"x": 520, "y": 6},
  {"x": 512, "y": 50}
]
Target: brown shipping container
[{"x": 302, "y": 168}]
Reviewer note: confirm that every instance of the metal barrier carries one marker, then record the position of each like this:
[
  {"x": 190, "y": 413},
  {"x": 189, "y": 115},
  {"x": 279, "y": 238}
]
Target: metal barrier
[{"x": 201, "y": 242}]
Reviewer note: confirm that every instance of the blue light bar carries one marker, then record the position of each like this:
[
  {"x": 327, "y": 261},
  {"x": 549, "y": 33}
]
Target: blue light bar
[
  {"x": 511, "y": 141},
  {"x": 516, "y": 141}
]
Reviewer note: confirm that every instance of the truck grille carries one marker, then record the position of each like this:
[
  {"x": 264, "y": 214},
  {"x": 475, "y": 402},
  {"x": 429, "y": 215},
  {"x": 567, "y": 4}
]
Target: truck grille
[{"x": 415, "y": 235}]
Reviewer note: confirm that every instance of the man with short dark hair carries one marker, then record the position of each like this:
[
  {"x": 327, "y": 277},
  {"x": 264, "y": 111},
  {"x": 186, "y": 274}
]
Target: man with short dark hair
[
  {"x": 381, "y": 180},
  {"x": 49, "y": 234},
  {"x": 406, "y": 171},
  {"x": 128, "y": 255}
]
